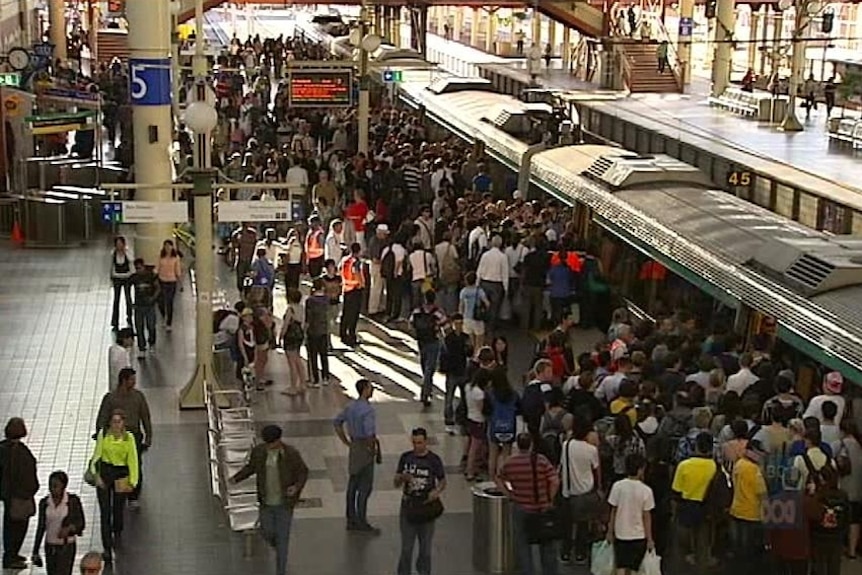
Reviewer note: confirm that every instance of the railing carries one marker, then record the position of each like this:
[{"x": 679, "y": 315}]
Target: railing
[
  {"x": 661, "y": 34},
  {"x": 619, "y": 52}
]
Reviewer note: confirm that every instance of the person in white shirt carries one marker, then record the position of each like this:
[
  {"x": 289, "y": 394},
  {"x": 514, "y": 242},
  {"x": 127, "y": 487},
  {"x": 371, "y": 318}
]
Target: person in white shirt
[
  {"x": 744, "y": 378},
  {"x": 424, "y": 269},
  {"x": 333, "y": 247},
  {"x": 833, "y": 382},
  {"x": 493, "y": 274},
  {"x": 425, "y": 225},
  {"x": 477, "y": 242},
  {"x": 580, "y": 475},
  {"x": 119, "y": 356},
  {"x": 296, "y": 179},
  {"x": 630, "y": 525}
]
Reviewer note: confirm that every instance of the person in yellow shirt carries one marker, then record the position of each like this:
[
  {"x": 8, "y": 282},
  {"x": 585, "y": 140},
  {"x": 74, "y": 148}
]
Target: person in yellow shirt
[
  {"x": 625, "y": 403},
  {"x": 691, "y": 483},
  {"x": 749, "y": 491},
  {"x": 115, "y": 467}
]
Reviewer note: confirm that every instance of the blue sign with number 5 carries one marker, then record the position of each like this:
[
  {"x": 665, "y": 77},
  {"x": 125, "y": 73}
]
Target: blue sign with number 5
[{"x": 150, "y": 81}]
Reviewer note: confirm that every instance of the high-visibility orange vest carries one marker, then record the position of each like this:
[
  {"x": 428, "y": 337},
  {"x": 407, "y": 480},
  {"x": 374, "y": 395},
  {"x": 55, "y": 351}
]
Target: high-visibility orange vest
[
  {"x": 313, "y": 247},
  {"x": 350, "y": 278}
]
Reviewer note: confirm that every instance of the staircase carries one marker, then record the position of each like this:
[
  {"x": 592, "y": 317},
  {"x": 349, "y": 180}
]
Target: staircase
[
  {"x": 642, "y": 74},
  {"x": 112, "y": 44}
]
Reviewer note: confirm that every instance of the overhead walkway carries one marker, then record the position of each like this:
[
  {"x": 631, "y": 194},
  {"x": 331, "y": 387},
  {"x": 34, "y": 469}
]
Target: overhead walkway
[{"x": 588, "y": 19}]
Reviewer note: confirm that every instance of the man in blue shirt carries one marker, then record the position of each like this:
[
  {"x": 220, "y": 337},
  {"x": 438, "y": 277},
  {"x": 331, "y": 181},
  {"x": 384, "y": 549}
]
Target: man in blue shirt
[{"x": 356, "y": 427}]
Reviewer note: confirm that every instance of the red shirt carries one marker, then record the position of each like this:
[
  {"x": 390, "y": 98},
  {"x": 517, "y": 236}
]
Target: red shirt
[
  {"x": 518, "y": 471},
  {"x": 356, "y": 213}
]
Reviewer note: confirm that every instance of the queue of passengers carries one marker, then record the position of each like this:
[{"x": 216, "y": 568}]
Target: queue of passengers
[{"x": 631, "y": 440}]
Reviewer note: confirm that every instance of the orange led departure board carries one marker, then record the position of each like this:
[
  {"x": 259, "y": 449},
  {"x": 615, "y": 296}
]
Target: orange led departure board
[{"x": 325, "y": 88}]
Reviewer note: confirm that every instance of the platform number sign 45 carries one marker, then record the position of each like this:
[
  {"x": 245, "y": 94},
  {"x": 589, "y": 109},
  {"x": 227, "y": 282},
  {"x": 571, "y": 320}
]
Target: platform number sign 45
[{"x": 739, "y": 178}]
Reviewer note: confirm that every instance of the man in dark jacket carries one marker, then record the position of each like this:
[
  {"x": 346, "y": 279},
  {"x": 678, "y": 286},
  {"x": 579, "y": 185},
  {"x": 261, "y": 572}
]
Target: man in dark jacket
[
  {"x": 281, "y": 475},
  {"x": 145, "y": 284}
]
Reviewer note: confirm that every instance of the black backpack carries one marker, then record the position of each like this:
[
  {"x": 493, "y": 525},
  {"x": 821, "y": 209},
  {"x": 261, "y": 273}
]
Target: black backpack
[
  {"x": 719, "y": 494},
  {"x": 425, "y": 325},
  {"x": 830, "y": 506},
  {"x": 387, "y": 264}
]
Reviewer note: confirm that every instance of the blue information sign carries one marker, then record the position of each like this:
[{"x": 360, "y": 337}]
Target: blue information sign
[
  {"x": 150, "y": 81},
  {"x": 686, "y": 26},
  {"x": 112, "y": 212}
]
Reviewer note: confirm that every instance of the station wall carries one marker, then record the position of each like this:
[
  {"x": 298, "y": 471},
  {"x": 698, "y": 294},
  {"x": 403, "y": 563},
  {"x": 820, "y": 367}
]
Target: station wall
[{"x": 19, "y": 23}]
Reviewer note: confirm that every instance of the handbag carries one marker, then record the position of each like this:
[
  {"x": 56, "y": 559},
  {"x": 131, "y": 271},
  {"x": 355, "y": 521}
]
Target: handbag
[
  {"x": 480, "y": 310},
  {"x": 122, "y": 485},
  {"x": 541, "y": 526},
  {"x": 21, "y": 509},
  {"x": 424, "y": 512}
]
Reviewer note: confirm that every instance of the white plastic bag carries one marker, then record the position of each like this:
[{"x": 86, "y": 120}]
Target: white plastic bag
[
  {"x": 602, "y": 558},
  {"x": 651, "y": 564}
]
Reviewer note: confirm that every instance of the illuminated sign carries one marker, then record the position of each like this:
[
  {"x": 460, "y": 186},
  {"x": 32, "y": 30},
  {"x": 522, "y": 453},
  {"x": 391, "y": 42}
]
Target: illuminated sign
[{"x": 325, "y": 88}]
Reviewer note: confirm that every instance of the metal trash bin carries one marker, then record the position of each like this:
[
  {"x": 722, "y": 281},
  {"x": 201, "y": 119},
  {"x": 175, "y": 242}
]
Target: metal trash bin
[{"x": 493, "y": 539}]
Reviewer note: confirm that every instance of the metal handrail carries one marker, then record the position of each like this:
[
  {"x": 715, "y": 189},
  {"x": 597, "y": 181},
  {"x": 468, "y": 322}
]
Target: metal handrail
[{"x": 662, "y": 35}]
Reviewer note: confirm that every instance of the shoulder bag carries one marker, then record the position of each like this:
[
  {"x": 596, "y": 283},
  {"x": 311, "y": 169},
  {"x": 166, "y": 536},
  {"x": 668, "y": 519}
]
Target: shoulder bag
[
  {"x": 541, "y": 526},
  {"x": 20, "y": 508}
]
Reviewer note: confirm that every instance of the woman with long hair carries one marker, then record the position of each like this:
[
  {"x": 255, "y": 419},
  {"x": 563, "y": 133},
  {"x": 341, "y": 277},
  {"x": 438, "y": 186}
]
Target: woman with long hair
[
  {"x": 477, "y": 434},
  {"x": 624, "y": 442},
  {"x": 170, "y": 272},
  {"x": 501, "y": 407},
  {"x": 121, "y": 273},
  {"x": 292, "y": 336},
  {"x": 17, "y": 490}
]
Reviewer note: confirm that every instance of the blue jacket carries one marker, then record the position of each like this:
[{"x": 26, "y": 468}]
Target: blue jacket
[{"x": 562, "y": 281}]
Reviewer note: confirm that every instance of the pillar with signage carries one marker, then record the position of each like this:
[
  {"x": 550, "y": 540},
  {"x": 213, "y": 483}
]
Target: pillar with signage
[
  {"x": 686, "y": 28},
  {"x": 150, "y": 95},
  {"x": 57, "y": 16},
  {"x": 725, "y": 22}
]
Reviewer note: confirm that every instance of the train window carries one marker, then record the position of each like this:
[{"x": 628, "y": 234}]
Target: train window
[
  {"x": 784, "y": 200},
  {"x": 833, "y": 218},
  {"x": 762, "y": 192},
  {"x": 808, "y": 210},
  {"x": 857, "y": 224}
]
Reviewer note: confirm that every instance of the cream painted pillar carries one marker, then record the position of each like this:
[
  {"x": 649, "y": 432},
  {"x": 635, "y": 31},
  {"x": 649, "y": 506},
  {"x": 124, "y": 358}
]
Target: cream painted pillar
[
  {"x": 439, "y": 18},
  {"x": 686, "y": 10},
  {"x": 567, "y": 47},
  {"x": 777, "y": 30},
  {"x": 491, "y": 36},
  {"x": 537, "y": 26},
  {"x": 754, "y": 21},
  {"x": 150, "y": 42},
  {"x": 474, "y": 28},
  {"x": 552, "y": 35},
  {"x": 57, "y": 16},
  {"x": 457, "y": 23},
  {"x": 725, "y": 22}
]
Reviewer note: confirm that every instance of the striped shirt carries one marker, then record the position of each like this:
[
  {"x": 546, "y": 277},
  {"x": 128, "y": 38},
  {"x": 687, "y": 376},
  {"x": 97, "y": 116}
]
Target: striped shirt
[
  {"x": 412, "y": 178},
  {"x": 518, "y": 472}
]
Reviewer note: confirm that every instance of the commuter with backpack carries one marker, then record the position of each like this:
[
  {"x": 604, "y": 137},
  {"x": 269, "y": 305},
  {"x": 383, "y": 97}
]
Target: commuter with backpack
[
  {"x": 427, "y": 321},
  {"x": 502, "y": 405}
]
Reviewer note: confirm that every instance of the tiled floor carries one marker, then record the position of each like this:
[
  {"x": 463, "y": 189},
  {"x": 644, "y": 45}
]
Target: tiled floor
[{"x": 53, "y": 342}]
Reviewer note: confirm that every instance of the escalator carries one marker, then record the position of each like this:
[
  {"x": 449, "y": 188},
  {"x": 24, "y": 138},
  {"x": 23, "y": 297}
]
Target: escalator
[
  {"x": 187, "y": 8},
  {"x": 588, "y": 18}
]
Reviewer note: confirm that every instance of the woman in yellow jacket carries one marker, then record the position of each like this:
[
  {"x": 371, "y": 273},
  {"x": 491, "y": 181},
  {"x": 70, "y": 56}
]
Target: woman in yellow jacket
[{"x": 115, "y": 466}]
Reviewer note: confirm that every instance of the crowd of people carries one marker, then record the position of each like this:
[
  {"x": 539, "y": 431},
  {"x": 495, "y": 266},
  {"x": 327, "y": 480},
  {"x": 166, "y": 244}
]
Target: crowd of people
[
  {"x": 660, "y": 429},
  {"x": 664, "y": 437}
]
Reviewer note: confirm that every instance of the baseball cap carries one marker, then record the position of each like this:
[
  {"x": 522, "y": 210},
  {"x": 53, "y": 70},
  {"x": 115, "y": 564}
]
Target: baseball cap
[{"x": 383, "y": 228}]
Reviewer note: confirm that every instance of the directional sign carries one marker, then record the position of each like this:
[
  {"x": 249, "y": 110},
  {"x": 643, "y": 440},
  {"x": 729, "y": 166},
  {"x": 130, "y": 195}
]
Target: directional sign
[
  {"x": 392, "y": 76},
  {"x": 150, "y": 81},
  {"x": 112, "y": 212},
  {"x": 686, "y": 26},
  {"x": 255, "y": 211},
  {"x": 10, "y": 79},
  {"x": 154, "y": 212}
]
